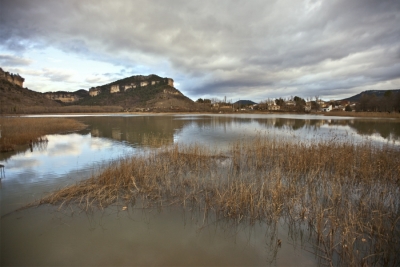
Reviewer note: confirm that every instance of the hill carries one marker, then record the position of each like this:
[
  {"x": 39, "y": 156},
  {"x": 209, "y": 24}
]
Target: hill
[
  {"x": 139, "y": 92},
  {"x": 130, "y": 94},
  {"x": 14, "y": 98},
  {"x": 378, "y": 93},
  {"x": 244, "y": 102}
]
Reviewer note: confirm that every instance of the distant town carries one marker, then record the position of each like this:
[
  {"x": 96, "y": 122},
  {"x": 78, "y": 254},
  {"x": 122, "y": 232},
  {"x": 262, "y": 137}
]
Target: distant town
[{"x": 368, "y": 101}]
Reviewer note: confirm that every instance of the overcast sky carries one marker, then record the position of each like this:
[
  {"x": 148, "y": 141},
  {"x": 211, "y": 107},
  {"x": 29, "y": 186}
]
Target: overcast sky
[{"x": 253, "y": 49}]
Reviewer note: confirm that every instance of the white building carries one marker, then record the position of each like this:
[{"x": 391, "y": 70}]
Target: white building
[{"x": 327, "y": 108}]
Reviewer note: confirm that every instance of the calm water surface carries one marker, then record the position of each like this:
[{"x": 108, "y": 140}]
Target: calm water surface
[{"x": 47, "y": 237}]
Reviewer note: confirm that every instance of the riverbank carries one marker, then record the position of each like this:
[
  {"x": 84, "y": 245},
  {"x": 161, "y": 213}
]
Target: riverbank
[{"x": 17, "y": 131}]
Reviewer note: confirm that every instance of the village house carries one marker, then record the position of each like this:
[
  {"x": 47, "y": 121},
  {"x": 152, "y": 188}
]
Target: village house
[
  {"x": 274, "y": 107},
  {"x": 326, "y": 108}
]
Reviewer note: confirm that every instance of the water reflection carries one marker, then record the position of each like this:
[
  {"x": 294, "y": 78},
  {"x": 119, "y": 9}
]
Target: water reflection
[
  {"x": 62, "y": 160},
  {"x": 136, "y": 129},
  {"x": 222, "y": 129},
  {"x": 219, "y": 130}
]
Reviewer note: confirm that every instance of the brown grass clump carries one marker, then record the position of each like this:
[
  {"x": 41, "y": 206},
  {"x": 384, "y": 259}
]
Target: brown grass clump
[
  {"x": 346, "y": 195},
  {"x": 24, "y": 131}
]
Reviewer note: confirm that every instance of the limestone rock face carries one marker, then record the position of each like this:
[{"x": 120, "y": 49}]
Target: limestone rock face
[
  {"x": 131, "y": 83},
  {"x": 63, "y": 97},
  {"x": 12, "y": 78},
  {"x": 114, "y": 88},
  {"x": 94, "y": 91}
]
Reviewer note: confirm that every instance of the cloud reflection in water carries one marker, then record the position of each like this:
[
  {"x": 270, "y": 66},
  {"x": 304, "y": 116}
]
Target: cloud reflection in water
[{"x": 65, "y": 153}]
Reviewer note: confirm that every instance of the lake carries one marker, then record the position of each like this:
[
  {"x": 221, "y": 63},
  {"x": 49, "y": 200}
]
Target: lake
[{"x": 49, "y": 236}]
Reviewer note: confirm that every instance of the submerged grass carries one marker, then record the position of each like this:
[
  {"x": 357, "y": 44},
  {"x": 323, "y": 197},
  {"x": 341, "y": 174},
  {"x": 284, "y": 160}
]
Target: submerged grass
[
  {"x": 347, "y": 195},
  {"x": 23, "y": 131}
]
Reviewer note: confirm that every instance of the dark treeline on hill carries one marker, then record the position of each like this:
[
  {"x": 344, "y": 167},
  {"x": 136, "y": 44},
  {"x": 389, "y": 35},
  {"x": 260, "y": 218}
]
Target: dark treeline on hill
[
  {"x": 377, "y": 93},
  {"x": 378, "y": 101}
]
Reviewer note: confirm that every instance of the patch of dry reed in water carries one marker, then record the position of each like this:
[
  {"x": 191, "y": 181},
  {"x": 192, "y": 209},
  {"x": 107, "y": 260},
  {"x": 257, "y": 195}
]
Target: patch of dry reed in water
[
  {"x": 22, "y": 131},
  {"x": 345, "y": 194}
]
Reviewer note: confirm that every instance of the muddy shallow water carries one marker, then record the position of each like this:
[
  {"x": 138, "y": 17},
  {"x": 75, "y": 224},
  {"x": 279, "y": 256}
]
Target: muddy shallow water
[{"x": 46, "y": 236}]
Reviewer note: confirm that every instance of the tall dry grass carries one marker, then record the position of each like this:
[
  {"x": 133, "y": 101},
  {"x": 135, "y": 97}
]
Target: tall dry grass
[
  {"x": 346, "y": 195},
  {"x": 23, "y": 131}
]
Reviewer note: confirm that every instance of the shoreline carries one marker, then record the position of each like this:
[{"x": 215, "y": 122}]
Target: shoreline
[{"x": 324, "y": 114}]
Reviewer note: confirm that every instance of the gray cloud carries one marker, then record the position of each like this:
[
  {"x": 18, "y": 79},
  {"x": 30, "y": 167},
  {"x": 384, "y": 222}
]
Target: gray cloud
[
  {"x": 56, "y": 75},
  {"x": 8, "y": 60},
  {"x": 222, "y": 47}
]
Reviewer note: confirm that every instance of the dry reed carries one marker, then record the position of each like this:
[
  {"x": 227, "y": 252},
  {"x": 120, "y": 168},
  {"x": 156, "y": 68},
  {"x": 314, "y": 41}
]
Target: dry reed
[
  {"x": 24, "y": 131},
  {"x": 346, "y": 195}
]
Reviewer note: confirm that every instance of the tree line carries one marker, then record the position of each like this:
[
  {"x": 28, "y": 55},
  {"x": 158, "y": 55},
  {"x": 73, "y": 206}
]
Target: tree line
[{"x": 389, "y": 102}]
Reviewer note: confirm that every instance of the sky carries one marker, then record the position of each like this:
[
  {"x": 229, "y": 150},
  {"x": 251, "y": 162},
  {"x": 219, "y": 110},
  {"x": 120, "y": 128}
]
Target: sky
[{"x": 253, "y": 49}]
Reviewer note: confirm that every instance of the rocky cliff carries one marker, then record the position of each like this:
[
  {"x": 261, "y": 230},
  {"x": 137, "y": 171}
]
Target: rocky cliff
[
  {"x": 12, "y": 78},
  {"x": 139, "y": 92},
  {"x": 67, "y": 97},
  {"x": 133, "y": 93},
  {"x": 131, "y": 83}
]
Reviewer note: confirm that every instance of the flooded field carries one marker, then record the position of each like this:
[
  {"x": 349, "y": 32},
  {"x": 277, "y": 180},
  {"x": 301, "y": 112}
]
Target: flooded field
[{"x": 157, "y": 235}]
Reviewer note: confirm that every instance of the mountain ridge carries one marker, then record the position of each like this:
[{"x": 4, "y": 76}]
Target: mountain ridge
[
  {"x": 378, "y": 93},
  {"x": 138, "y": 92}
]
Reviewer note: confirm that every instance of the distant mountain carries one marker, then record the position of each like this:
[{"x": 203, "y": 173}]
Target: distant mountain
[
  {"x": 132, "y": 93},
  {"x": 244, "y": 102},
  {"x": 139, "y": 92},
  {"x": 378, "y": 93}
]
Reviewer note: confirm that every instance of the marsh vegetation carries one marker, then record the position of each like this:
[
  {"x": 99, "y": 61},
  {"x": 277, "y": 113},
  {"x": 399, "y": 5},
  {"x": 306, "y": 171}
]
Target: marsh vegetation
[
  {"x": 29, "y": 131},
  {"x": 344, "y": 195}
]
